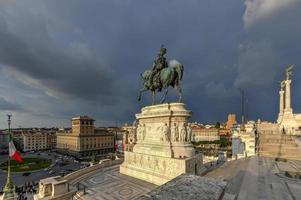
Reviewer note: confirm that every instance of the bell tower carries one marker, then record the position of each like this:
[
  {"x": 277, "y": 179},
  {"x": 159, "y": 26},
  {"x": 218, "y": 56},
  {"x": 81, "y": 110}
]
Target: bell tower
[{"x": 82, "y": 125}]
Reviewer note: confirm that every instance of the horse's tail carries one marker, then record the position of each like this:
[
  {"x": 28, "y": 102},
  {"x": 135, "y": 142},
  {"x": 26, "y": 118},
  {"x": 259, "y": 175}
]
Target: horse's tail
[
  {"x": 180, "y": 70},
  {"x": 178, "y": 67}
]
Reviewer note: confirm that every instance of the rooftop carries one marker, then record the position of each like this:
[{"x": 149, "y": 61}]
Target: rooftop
[{"x": 83, "y": 117}]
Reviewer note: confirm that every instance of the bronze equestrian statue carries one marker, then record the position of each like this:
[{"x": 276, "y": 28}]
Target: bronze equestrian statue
[{"x": 162, "y": 76}]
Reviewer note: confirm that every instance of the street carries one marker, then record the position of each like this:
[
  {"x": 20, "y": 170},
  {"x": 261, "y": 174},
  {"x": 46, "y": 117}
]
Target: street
[{"x": 19, "y": 179}]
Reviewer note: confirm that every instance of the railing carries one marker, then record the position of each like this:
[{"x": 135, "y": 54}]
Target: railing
[{"x": 73, "y": 177}]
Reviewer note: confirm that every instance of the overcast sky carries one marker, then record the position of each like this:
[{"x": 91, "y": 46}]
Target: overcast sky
[{"x": 62, "y": 58}]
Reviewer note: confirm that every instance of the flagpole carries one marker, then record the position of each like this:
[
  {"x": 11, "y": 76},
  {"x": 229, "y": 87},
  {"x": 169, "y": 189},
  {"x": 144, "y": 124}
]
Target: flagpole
[
  {"x": 9, "y": 188},
  {"x": 8, "y": 165}
]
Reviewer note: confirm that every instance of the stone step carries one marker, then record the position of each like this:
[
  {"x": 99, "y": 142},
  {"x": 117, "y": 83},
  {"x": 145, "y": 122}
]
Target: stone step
[
  {"x": 276, "y": 141},
  {"x": 278, "y": 145},
  {"x": 271, "y": 148},
  {"x": 281, "y": 156},
  {"x": 281, "y": 151},
  {"x": 290, "y": 146},
  {"x": 278, "y": 154},
  {"x": 296, "y": 165},
  {"x": 276, "y": 137}
]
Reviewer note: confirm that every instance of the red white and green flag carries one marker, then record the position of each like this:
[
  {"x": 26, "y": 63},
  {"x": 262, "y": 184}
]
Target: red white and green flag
[{"x": 13, "y": 153}]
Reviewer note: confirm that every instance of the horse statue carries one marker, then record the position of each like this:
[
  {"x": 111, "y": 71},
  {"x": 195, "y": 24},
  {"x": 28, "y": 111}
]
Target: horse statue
[{"x": 169, "y": 76}]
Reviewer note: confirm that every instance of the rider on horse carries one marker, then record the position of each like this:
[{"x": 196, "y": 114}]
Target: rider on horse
[{"x": 159, "y": 64}]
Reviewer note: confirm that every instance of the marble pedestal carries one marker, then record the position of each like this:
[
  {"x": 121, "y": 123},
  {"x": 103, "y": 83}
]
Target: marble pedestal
[
  {"x": 163, "y": 150},
  {"x": 289, "y": 123},
  {"x": 53, "y": 188}
]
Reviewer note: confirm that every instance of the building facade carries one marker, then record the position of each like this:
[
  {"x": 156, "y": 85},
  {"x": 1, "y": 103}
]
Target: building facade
[
  {"x": 3, "y": 142},
  {"x": 244, "y": 142},
  {"x": 51, "y": 140},
  {"x": 200, "y": 133},
  {"x": 34, "y": 141},
  {"x": 84, "y": 139}
]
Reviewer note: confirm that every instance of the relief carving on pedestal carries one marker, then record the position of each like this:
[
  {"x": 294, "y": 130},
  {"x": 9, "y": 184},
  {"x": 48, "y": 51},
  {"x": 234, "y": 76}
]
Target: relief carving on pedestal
[
  {"x": 41, "y": 189},
  {"x": 165, "y": 131},
  {"x": 48, "y": 190},
  {"x": 166, "y": 166},
  {"x": 182, "y": 133},
  {"x": 141, "y": 132},
  {"x": 174, "y": 132},
  {"x": 189, "y": 133}
]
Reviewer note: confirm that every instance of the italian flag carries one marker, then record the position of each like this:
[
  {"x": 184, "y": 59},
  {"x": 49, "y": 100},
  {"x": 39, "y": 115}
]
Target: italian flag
[{"x": 13, "y": 153}]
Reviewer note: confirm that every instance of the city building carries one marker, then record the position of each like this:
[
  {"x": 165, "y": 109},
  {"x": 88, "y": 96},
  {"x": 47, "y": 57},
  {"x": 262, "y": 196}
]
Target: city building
[
  {"x": 225, "y": 133},
  {"x": 84, "y": 139},
  {"x": 51, "y": 140},
  {"x": 244, "y": 142},
  {"x": 201, "y": 133},
  {"x": 129, "y": 137},
  {"x": 34, "y": 140},
  {"x": 119, "y": 132},
  {"x": 3, "y": 142}
]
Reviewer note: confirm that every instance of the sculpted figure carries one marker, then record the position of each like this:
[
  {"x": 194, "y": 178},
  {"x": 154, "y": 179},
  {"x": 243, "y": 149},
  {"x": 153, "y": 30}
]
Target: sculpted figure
[
  {"x": 141, "y": 160},
  {"x": 159, "y": 64},
  {"x": 161, "y": 76},
  {"x": 139, "y": 132},
  {"x": 182, "y": 133},
  {"x": 174, "y": 132},
  {"x": 165, "y": 133},
  {"x": 132, "y": 136},
  {"x": 41, "y": 187},
  {"x": 289, "y": 72},
  {"x": 282, "y": 85},
  {"x": 48, "y": 190},
  {"x": 189, "y": 133},
  {"x": 143, "y": 132}
]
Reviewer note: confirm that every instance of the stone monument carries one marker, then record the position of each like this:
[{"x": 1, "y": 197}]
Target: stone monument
[
  {"x": 163, "y": 149},
  {"x": 286, "y": 118},
  {"x": 53, "y": 188}
]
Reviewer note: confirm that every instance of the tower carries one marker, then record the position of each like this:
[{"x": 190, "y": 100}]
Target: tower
[{"x": 82, "y": 125}]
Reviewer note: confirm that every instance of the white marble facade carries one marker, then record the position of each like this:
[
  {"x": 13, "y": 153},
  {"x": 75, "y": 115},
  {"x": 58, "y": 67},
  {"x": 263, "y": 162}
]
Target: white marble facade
[{"x": 163, "y": 149}]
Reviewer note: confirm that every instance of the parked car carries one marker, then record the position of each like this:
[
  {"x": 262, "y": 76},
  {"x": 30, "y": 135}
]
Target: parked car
[
  {"x": 104, "y": 160},
  {"x": 26, "y": 174}
]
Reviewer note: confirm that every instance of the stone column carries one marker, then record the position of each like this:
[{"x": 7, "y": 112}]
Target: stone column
[
  {"x": 281, "y": 102},
  {"x": 281, "y": 106},
  {"x": 288, "y": 96}
]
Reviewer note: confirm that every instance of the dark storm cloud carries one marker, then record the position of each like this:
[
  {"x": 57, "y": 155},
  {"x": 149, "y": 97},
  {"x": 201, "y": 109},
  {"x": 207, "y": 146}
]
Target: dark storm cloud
[
  {"x": 87, "y": 55},
  {"x": 71, "y": 70},
  {"x": 6, "y": 105}
]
